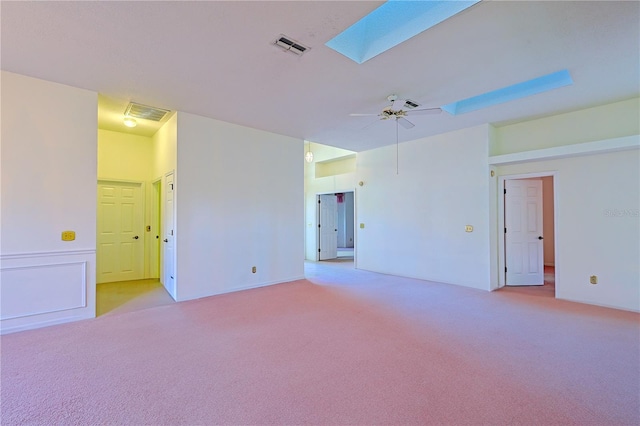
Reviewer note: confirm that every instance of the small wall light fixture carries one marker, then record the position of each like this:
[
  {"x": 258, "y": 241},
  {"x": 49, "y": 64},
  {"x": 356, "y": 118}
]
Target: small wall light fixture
[{"x": 308, "y": 157}]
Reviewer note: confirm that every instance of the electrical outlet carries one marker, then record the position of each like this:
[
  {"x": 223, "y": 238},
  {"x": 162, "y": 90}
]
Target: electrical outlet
[
  {"x": 254, "y": 269},
  {"x": 593, "y": 279},
  {"x": 468, "y": 228}
]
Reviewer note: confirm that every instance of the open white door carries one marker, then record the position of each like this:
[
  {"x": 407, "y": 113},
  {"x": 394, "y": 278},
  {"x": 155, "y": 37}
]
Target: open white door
[
  {"x": 168, "y": 267},
  {"x": 523, "y": 232},
  {"x": 120, "y": 252},
  {"x": 328, "y": 226}
]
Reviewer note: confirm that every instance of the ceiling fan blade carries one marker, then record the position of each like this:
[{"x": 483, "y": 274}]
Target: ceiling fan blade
[
  {"x": 424, "y": 111},
  {"x": 405, "y": 123},
  {"x": 370, "y": 124},
  {"x": 363, "y": 115}
]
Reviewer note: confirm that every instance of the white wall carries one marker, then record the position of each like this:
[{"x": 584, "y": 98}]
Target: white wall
[
  {"x": 238, "y": 205},
  {"x": 49, "y": 148},
  {"x": 415, "y": 220},
  {"x": 597, "y": 228}
]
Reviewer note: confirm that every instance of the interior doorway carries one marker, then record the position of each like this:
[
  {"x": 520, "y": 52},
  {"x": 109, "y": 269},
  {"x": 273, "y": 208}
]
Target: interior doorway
[
  {"x": 527, "y": 249},
  {"x": 336, "y": 226}
]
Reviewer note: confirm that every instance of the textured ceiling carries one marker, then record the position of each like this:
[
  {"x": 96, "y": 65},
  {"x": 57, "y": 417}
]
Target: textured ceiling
[{"x": 216, "y": 59}]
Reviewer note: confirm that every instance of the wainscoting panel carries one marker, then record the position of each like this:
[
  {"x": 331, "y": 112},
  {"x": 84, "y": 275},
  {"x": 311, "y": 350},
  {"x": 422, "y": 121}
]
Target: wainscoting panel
[{"x": 40, "y": 289}]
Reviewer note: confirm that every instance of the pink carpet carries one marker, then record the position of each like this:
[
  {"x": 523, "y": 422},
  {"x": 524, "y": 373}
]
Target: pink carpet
[{"x": 343, "y": 347}]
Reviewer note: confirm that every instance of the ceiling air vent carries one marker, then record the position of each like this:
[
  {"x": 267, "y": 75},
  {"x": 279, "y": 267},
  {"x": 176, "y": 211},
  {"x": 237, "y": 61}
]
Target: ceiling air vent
[
  {"x": 410, "y": 104},
  {"x": 290, "y": 45},
  {"x": 145, "y": 112}
]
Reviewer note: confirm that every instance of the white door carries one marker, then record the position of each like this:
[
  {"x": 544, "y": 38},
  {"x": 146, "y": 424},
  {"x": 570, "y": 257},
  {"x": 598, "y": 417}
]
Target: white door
[
  {"x": 168, "y": 275},
  {"x": 120, "y": 249},
  {"x": 523, "y": 232},
  {"x": 328, "y": 226}
]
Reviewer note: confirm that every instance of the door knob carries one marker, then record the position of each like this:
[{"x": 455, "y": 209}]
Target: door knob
[
  {"x": 136, "y": 237},
  {"x": 540, "y": 238},
  {"x": 165, "y": 240}
]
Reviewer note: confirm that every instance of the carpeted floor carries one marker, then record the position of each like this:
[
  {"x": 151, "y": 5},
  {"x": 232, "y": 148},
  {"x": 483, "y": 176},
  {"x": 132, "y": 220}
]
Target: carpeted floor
[{"x": 343, "y": 347}]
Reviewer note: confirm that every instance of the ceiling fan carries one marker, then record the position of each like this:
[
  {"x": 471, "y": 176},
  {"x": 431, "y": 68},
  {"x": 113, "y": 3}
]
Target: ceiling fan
[{"x": 400, "y": 109}]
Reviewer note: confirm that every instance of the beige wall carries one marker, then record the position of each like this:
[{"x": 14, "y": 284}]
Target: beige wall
[
  {"x": 125, "y": 156},
  {"x": 587, "y": 125},
  {"x": 128, "y": 157}
]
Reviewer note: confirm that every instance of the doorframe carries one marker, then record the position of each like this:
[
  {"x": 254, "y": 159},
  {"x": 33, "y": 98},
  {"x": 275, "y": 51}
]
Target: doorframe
[
  {"x": 355, "y": 229},
  {"x": 501, "y": 210},
  {"x": 155, "y": 221},
  {"x": 164, "y": 231}
]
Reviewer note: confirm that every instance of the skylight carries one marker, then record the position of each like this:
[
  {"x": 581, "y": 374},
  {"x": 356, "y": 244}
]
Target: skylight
[
  {"x": 391, "y": 24},
  {"x": 510, "y": 93}
]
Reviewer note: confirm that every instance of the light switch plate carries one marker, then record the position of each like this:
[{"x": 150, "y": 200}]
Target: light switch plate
[
  {"x": 362, "y": 226},
  {"x": 68, "y": 235}
]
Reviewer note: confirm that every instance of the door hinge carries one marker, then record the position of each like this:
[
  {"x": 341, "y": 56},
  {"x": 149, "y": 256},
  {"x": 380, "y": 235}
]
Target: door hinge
[
  {"x": 505, "y": 230},
  {"x": 505, "y": 191},
  {"x": 505, "y": 269},
  {"x": 318, "y": 250},
  {"x": 318, "y": 225},
  {"x": 319, "y": 201}
]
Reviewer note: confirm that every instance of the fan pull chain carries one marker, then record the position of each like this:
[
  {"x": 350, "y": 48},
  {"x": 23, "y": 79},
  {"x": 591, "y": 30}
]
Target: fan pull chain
[{"x": 397, "y": 149}]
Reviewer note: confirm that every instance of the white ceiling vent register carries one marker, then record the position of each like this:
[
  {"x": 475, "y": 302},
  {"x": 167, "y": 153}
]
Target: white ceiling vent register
[
  {"x": 145, "y": 112},
  {"x": 290, "y": 45}
]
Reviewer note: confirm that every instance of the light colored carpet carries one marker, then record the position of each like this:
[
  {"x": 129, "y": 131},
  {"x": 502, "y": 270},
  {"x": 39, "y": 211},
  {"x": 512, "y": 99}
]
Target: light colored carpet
[{"x": 342, "y": 347}]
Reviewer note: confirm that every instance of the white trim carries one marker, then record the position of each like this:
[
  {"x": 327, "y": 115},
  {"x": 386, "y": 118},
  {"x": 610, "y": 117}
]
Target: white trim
[
  {"x": 501, "y": 248},
  {"x": 137, "y": 182},
  {"x": 32, "y": 326},
  {"x": 587, "y": 148},
  {"x": 30, "y": 255},
  {"x": 264, "y": 284},
  {"x": 83, "y": 265}
]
